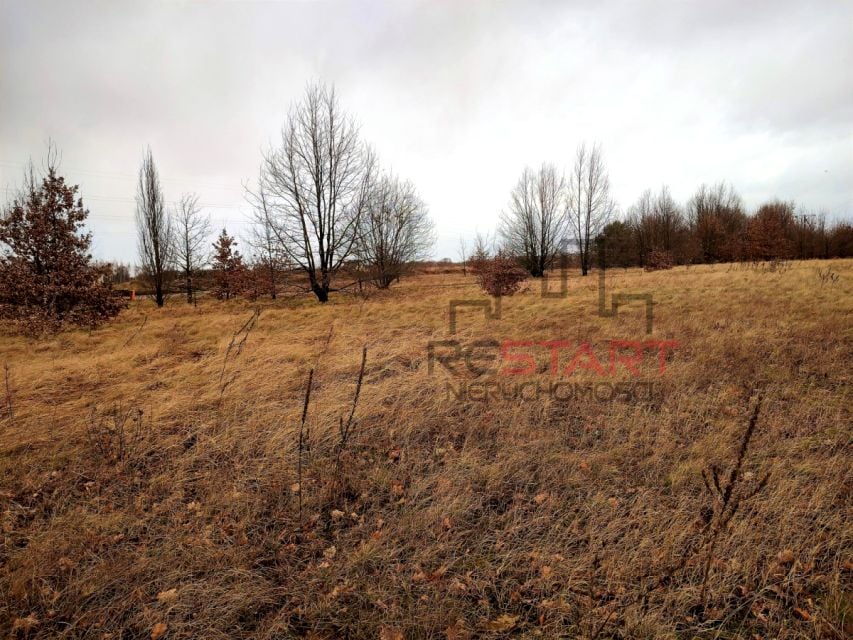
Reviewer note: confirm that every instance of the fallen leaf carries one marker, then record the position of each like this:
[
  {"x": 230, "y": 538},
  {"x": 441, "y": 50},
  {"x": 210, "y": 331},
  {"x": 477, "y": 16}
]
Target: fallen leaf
[
  {"x": 802, "y": 614},
  {"x": 786, "y": 557},
  {"x": 168, "y": 596},
  {"x": 159, "y": 630},
  {"x": 503, "y": 622},
  {"x": 456, "y": 631},
  {"x": 439, "y": 573}
]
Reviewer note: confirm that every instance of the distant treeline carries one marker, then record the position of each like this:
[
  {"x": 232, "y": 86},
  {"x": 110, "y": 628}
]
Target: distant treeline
[{"x": 714, "y": 227}]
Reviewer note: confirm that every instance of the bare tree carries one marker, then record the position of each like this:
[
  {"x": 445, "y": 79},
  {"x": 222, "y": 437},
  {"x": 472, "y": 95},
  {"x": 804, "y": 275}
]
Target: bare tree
[
  {"x": 668, "y": 221},
  {"x": 192, "y": 229},
  {"x": 484, "y": 246},
  {"x": 536, "y": 222},
  {"x": 640, "y": 221},
  {"x": 669, "y": 231},
  {"x": 268, "y": 255},
  {"x": 463, "y": 255},
  {"x": 717, "y": 220},
  {"x": 394, "y": 230},
  {"x": 316, "y": 184},
  {"x": 481, "y": 252},
  {"x": 154, "y": 228},
  {"x": 589, "y": 203}
]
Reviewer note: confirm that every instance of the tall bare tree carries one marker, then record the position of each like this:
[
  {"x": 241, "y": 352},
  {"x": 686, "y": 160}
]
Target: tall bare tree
[
  {"x": 191, "y": 230},
  {"x": 536, "y": 222},
  {"x": 269, "y": 258},
  {"x": 717, "y": 219},
  {"x": 589, "y": 203},
  {"x": 394, "y": 230},
  {"x": 316, "y": 184},
  {"x": 484, "y": 246},
  {"x": 154, "y": 229},
  {"x": 640, "y": 222},
  {"x": 463, "y": 255},
  {"x": 668, "y": 223}
]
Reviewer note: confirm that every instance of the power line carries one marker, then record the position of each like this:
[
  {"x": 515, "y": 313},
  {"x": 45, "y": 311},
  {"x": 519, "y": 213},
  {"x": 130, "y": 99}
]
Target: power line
[
  {"x": 125, "y": 200},
  {"x": 117, "y": 175}
]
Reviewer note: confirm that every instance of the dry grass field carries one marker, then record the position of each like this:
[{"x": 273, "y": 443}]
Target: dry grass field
[{"x": 152, "y": 483}]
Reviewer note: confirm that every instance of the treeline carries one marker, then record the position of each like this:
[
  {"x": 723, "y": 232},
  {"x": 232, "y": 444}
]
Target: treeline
[
  {"x": 321, "y": 203},
  {"x": 551, "y": 215},
  {"x": 327, "y": 217},
  {"x": 713, "y": 226},
  {"x": 322, "y": 207}
]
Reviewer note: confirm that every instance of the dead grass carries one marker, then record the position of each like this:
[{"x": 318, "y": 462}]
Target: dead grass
[{"x": 451, "y": 519}]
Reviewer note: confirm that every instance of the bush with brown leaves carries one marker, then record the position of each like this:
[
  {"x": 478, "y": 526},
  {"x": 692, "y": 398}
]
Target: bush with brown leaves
[
  {"x": 500, "y": 276},
  {"x": 659, "y": 260}
]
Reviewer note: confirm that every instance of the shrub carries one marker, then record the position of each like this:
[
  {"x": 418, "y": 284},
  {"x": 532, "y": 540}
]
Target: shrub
[
  {"x": 500, "y": 276},
  {"x": 659, "y": 260}
]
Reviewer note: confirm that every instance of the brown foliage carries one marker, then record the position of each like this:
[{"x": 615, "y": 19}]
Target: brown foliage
[
  {"x": 500, "y": 276},
  {"x": 658, "y": 260},
  {"x": 769, "y": 232},
  {"x": 230, "y": 274}
]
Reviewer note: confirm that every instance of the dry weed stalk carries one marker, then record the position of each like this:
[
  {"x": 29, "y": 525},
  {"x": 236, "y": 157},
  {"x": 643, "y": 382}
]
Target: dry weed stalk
[
  {"x": 345, "y": 427},
  {"x": 303, "y": 434},
  {"x": 111, "y": 435},
  {"x": 827, "y": 276},
  {"x": 135, "y": 333},
  {"x": 9, "y": 407},
  {"x": 726, "y": 503},
  {"x": 235, "y": 348}
]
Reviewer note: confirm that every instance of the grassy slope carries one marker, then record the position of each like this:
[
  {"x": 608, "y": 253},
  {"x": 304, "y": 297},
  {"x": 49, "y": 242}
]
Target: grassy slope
[{"x": 449, "y": 519}]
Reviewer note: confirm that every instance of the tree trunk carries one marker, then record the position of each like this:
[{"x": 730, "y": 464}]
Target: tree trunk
[{"x": 322, "y": 292}]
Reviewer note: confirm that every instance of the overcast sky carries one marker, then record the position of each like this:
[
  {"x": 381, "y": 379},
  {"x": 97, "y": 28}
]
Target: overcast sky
[{"x": 457, "y": 96}]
